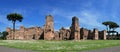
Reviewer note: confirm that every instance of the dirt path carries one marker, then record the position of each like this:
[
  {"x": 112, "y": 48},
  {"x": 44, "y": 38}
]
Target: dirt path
[
  {"x": 110, "y": 49},
  {"x": 6, "y": 49}
]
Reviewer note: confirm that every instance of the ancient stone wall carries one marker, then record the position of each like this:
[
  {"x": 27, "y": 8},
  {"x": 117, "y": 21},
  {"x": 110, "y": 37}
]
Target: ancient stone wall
[
  {"x": 102, "y": 35},
  {"x": 84, "y": 34},
  {"x": 64, "y": 34},
  {"x": 95, "y": 34},
  {"x": 10, "y": 34},
  {"x": 90, "y": 34},
  {"x": 57, "y": 35},
  {"x": 49, "y": 28},
  {"x": 39, "y": 33},
  {"x": 75, "y": 29},
  {"x": 25, "y": 33}
]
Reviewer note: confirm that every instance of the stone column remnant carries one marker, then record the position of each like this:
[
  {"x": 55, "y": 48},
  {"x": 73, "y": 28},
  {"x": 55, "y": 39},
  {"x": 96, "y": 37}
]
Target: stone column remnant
[
  {"x": 95, "y": 34},
  {"x": 49, "y": 28},
  {"x": 22, "y": 32},
  {"x": 104, "y": 34},
  {"x": 64, "y": 34},
  {"x": 38, "y": 33},
  {"x": 57, "y": 35},
  {"x": 75, "y": 29},
  {"x": 84, "y": 33}
]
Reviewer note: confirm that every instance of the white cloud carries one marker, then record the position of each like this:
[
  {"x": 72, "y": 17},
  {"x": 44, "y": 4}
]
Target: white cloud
[
  {"x": 68, "y": 27},
  {"x": 89, "y": 18}
]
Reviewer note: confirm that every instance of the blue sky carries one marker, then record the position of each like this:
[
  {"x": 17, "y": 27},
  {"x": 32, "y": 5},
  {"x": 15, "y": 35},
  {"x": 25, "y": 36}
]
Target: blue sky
[{"x": 91, "y": 13}]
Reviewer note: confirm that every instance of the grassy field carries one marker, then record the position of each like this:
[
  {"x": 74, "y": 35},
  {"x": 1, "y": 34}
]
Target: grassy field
[{"x": 59, "y": 46}]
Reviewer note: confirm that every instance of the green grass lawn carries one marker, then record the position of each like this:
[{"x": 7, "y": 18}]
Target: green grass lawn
[{"x": 59, "y": 46}]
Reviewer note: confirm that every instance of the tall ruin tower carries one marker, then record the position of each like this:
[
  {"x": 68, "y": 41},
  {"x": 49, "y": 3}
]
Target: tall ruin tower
[
  {"x": 75, "y": 29},
  {"x": 49, "y": 28}
]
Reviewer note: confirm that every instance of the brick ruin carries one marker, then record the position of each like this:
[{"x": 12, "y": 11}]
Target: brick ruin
[
  {"x": 25, "y": 33},
  {"x": 75, "y": 29},
  {"x": 49, "y": 28},
  {"x": 48, "y": 33}
]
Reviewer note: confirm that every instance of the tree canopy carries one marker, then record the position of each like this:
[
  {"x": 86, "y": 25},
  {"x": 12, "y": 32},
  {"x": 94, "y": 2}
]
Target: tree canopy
[
  {"x": 14, "y": 17},
  {"x": 111, "y": 25}
]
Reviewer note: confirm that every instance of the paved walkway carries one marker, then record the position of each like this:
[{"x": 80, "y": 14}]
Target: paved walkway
[
  {"x": 110, "y": 49},
  {"x": 6, "y": 49}
]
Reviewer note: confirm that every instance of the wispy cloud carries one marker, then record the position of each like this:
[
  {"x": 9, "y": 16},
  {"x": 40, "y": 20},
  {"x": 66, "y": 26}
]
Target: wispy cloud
[{"x": 88, "y": 18}]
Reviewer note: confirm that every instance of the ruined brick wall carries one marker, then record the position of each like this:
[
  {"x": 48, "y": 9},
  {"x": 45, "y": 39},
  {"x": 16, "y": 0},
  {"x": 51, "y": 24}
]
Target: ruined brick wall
[
  {"x": 19, "y": 34},
  {"x": 39, "y": 33},
  {"x": 10, "y": 34},
  {"x": 57, "y": 35},
  {"x": 102, "y": 35},
  {"x": 84, "y": 34},
  {"x": 64, "y": 34},
  {"x": 30, "y": 33},
  {"x": 95, "y": 34},
  {"x": 25, "y": 33},
  {"x": 75, "y": 29},
  {"x": 49, "y": 28},
  {"x": 90, "y": 34}
]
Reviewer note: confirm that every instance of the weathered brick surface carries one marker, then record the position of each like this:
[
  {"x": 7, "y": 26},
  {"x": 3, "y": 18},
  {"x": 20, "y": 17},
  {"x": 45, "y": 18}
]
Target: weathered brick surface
[
  {"x": 49, "y": 28},
  {"x": 90, "y": 34},
  {"x": 95, "y": 34},
  {"x": 57, "y": 35},
  {"x": 75, "y": 29},
  {"x": 64, "y": 34},
  {"x": 102, "y": 35},
  {"x": 84, "y": 33},
  {"x": 25, "y": 33},
  {"x": 10, "y": 34}
]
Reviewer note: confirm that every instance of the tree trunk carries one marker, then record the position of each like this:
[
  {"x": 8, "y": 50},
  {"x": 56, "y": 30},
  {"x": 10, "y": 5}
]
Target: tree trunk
[
  {"x": 109, "y": 32},
  {"x": 107, "y": 27},
  {"x": 13, "y": 29}
]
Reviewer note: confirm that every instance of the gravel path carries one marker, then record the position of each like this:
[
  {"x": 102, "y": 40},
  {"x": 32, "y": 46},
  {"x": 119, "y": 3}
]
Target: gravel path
[
  {"x": 110, "y": 49},
  {"x": 6, "y": 49}
]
